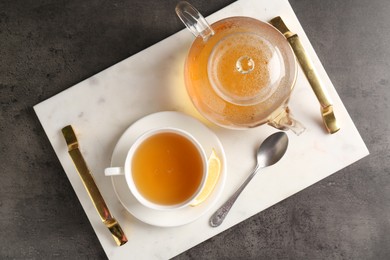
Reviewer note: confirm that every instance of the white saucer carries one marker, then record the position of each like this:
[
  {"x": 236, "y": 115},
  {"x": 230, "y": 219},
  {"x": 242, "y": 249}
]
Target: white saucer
[{"x": 206, "y": 138}]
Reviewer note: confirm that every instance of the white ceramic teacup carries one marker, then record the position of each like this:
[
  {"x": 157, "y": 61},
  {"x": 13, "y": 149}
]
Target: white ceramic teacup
[{"x": 165, "y": 168}]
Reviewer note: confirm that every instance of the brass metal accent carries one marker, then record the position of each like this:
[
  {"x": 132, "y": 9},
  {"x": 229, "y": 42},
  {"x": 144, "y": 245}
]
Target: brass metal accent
[
  {"x": 91, "y": 187},
  {"x": 327, "y": 112}
]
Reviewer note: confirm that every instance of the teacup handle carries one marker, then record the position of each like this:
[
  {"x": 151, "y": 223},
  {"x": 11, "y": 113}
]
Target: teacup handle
[
  {"x": 194, "y": 21},
  {"x": 114, "y": 171}
]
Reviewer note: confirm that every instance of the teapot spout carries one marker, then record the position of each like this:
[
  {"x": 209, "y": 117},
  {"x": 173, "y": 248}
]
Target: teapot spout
[
  {"x": 283, "y": 120},
  {"x": 193, "y": 20}
]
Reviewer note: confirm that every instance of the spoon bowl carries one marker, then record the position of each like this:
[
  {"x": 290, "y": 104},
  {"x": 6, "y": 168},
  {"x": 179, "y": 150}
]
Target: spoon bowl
[
  {"x": 272, "y": 149},
  {"x": 270, "y": 152}
]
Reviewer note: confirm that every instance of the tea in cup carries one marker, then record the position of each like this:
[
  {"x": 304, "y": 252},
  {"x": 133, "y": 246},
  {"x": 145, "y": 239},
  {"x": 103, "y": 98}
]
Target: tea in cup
[{"x": 165, "y": 168}]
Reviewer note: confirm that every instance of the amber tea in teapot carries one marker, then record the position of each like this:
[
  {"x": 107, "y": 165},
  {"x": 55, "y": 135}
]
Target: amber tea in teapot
[{"x": 239, "y": 71}]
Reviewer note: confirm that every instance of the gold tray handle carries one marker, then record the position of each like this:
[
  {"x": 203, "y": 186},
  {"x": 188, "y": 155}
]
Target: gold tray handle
[
  {"x": 327, "y": 112},
  {"x": 90, "y": 185}
]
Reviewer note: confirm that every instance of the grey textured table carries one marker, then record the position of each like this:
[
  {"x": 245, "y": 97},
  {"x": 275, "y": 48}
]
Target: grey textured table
[{"x": 48, "y": 46}]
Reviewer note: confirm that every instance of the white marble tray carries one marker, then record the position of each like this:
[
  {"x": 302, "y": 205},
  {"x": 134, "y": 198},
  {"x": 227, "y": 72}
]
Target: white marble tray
[{"x": 103, "y": 106}]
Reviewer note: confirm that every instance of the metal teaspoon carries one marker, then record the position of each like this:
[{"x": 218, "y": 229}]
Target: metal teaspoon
[{"x": 269, "y": 153}]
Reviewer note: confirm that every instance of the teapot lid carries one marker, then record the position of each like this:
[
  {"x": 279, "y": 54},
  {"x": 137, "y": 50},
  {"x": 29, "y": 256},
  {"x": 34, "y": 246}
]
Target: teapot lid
[{"x": 244, "y": 68}]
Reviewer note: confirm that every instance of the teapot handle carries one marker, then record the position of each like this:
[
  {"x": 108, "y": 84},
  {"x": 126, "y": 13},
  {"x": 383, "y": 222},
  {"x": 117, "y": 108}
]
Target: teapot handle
[{"x": 194, "y": 21}]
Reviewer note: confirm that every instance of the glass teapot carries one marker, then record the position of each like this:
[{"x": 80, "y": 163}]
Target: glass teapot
[{"x": 239, "y": 72}]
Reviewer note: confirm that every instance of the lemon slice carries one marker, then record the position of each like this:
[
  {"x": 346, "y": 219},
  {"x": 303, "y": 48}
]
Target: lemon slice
[{"x": 214, "y": 170}]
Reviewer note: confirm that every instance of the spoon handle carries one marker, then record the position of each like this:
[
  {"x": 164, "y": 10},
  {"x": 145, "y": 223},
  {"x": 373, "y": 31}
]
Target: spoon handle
[{"x": 218, "y": 217}]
